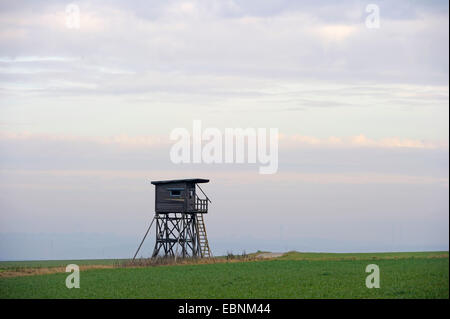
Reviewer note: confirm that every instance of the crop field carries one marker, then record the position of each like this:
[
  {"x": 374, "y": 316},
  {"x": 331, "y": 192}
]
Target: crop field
[{"x": 293, "y": 275}]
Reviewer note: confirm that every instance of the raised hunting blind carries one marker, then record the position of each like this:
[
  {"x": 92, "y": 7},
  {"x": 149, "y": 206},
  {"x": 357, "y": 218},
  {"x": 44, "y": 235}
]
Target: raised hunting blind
[{"x": 180, "y": 226}]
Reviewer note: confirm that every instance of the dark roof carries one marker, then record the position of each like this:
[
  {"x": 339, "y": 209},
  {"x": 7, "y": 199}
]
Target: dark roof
[{"x": 188, "y": 180}]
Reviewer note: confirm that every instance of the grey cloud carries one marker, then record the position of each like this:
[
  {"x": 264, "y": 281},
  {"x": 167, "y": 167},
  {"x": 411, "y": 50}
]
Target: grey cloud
[
  {"x": 282, "y": 47},
  {"x": 71, "y": 153}
]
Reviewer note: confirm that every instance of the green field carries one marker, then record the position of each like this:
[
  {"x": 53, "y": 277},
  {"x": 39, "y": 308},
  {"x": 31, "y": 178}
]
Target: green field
[{"x": 295, "y": 275}]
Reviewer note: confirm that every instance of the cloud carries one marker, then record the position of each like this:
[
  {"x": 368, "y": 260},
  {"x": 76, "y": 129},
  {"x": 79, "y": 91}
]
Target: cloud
[
  {"x": 286, "y": 141},
  {"x": 301, "y": 158},
  {"x": 55, "y": 179},
  {"x": 119, "y": 140},
  {"x": 336, "y": 33},
  {"x": 359, "y": 141},
  {"x": 325, "y": 42}
]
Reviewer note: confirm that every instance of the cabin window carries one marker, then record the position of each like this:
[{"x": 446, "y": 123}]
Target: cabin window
[
  {"x": 191, "y": 193},
  {"x": 175, "y": 192}
]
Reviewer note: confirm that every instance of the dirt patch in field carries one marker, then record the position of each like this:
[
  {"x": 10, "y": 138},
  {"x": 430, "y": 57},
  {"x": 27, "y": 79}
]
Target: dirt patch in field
[
  {"x": 141, "y": 263},
  {"x": 6, "y": 273}
]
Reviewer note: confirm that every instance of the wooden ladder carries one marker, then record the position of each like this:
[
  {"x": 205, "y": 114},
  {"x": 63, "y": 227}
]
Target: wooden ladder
[{"x": 205, "y": 251}]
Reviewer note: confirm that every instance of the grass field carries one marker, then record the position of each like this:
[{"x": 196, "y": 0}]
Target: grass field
[{"x": 294, "y": 275}]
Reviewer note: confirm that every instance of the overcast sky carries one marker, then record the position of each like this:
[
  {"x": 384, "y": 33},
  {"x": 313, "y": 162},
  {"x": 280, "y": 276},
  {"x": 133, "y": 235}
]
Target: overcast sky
[{"x": 86, "y": 113}]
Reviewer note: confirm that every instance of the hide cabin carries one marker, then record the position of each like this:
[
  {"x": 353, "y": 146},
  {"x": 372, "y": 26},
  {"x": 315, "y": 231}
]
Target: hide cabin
[{"x": 180, "y": 196}]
